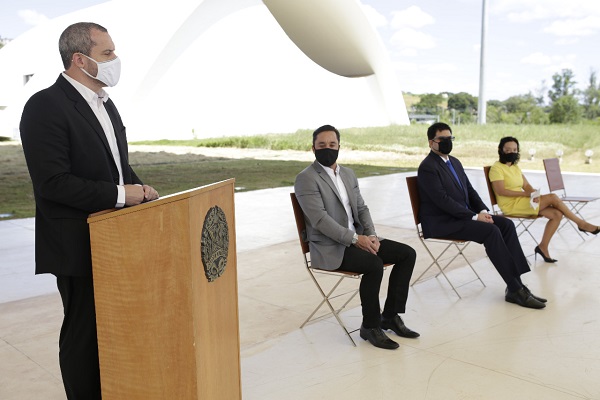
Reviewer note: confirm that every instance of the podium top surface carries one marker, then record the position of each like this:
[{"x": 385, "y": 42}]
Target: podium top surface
[{"x": 186, "y": 194}]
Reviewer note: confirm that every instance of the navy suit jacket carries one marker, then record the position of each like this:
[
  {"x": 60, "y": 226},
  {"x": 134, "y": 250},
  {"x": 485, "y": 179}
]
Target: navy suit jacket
[
  {"x": 73, "y": 174},
  {"x": 326, "y": 219},
  {"x": 445, "y": 205}
]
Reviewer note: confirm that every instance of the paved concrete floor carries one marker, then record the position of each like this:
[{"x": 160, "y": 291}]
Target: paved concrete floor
[{"x": 478, "y": 347}]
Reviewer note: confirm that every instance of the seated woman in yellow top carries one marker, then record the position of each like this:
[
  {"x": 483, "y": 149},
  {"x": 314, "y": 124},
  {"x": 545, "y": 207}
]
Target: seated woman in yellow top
[{"x": 513, "y": 195}]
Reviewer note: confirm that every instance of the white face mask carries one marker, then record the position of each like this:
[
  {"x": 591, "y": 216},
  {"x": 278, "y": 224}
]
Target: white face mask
[{"x": 109, "y": 72}]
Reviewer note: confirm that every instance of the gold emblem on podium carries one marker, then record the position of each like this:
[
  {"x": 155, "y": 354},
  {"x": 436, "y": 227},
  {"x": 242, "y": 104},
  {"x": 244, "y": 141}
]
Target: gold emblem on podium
[{"x": 214, "y": 246}]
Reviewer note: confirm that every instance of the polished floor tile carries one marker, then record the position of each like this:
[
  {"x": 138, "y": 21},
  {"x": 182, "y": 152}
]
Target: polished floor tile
[{"x": 477, "y": 347}]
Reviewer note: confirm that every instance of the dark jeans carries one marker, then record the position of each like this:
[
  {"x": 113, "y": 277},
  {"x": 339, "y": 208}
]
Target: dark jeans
[
  {"x": 78, "y": 342},
  {"x": 371, "y": 266}
]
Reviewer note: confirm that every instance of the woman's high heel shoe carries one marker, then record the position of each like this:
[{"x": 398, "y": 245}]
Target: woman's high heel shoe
[
  {"x": 546, "y": 259},
  {"x": 597, "y": 231}
]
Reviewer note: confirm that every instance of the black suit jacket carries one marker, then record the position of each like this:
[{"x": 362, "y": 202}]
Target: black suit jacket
[
  {"x": 73, "y": 174},
  {"x": 445, "y": 205}
]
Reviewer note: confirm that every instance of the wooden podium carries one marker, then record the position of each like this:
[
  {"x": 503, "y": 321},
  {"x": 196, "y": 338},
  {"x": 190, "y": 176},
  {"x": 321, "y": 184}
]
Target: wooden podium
[{"x": 164, "y": 330}]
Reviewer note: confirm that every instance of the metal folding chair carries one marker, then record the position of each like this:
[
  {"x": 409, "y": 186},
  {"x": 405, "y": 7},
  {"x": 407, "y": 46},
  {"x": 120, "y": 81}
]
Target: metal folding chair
[
  {"x": 524, "y": 222},
  {"x": 327, "y": 294},
  {"x": 556, "y": 184},
  {"x": 458, "y": 246}
]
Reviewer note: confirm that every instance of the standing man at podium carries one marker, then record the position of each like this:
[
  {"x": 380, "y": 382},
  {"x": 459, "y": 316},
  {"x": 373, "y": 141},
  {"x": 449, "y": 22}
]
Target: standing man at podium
[
  {"x": 342, "y": 236},
  {"x": 76, "y": 151}
]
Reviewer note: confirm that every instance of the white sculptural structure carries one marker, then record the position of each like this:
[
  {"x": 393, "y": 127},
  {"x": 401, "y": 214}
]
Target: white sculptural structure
[{"x": 208, "y": 68}]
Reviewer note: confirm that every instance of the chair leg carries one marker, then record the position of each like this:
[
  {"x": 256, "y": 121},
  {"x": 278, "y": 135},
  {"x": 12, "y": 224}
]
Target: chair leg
[
  {"x": 526, "y": 224},
  {"x": 326, "y": 300},
  {"x": 325, "y": 297},
  {"x": 575, "y": 208},
  {"x": 568, "y": 222},
  {"x": 460, "y": 252},
  {"x": 436, "y": 262},
  {"x": 467, "y": 261}
]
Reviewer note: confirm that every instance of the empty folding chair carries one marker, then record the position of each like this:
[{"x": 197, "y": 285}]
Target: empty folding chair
[{"x": 556, "y": 184}]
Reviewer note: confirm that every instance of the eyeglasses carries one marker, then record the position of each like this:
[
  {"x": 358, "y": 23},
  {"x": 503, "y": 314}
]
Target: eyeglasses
[{"x": 438, "y": 139}]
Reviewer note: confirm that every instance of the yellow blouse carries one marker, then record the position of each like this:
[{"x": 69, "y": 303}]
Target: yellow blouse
[{"x": 513, "y": 180}]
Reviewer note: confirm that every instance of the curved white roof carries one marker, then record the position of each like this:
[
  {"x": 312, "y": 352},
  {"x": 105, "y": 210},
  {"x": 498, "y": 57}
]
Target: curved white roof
[{"x": 213, "y": 68}]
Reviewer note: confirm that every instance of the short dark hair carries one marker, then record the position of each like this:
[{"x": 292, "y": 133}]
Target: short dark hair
[
  {"x": 437, "y": 127},
  {"x": 77, "y": 38},
  {"x": 505, "y": 140},
  {"x": 325, "y": 128}
]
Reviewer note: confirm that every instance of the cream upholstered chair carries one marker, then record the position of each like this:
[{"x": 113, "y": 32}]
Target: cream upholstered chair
[{"x": 450, "y": 245}]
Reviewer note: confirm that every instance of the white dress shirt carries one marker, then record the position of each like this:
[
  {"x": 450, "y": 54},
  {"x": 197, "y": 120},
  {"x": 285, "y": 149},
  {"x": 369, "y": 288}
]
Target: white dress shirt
[
  {"x": 96, "y": 102},
  {"x": 341, "y": 188}
]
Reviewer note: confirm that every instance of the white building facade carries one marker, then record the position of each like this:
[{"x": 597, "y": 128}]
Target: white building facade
[{"x": 210, "y": 68}]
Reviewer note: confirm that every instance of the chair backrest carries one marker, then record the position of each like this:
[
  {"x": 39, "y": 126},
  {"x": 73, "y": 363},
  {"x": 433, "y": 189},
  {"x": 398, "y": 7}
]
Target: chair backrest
[
  {"x": 486, "y": 173},
  {"x": 415, "y": 199},
  {"x": 300, "y": 223},
  {"x": 553, "y": 174}
]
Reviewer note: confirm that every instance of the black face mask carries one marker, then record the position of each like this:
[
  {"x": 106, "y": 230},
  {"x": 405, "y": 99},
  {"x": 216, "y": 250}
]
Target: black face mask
[
  {"x": 326, "y": 157},
  {"x": 445, "y": 146},
  {"x": 512, "y": 158}
]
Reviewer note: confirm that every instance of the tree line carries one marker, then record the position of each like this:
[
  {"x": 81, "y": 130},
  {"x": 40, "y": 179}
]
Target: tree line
[{"x": 561, "y": 103}]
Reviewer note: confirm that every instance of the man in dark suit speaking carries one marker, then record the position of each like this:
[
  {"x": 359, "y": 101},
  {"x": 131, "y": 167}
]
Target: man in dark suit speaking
[
  {"x": 451, "y": 208},
  {"x": 342, "y": 236},
  {"x": 76, "y": 150}
]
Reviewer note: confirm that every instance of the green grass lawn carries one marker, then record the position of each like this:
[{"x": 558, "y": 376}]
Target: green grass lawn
[
  {"x": 475, "y": 145},
  {"x": 168, "y": 173}
]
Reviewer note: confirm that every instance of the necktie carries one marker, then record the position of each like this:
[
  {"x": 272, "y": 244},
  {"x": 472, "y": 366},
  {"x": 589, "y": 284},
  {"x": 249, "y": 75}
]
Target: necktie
[{"x": 449, "y": 164}]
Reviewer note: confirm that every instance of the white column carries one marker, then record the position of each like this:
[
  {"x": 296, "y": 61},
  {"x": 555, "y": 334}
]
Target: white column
[{"x": 482, "y": 106}]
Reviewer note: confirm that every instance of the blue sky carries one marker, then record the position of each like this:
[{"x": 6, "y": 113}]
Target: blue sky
[{"x": 434, "y": 45}]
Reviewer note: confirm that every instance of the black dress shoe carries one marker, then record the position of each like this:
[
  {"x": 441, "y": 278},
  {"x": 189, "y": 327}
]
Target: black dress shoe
[
  {"x": 378, "y": 338},
  {"x": 397, "y": 325},
  {"x": 524, "y": 299},
  {"x": 538, "y": 298}
]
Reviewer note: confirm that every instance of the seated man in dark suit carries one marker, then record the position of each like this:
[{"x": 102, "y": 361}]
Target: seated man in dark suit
[
  {"x": 342, "y": 236},
  {"x": 451, "y": 208}
]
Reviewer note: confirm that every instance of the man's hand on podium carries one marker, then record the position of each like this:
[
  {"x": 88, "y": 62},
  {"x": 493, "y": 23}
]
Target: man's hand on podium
[
  {"x": 150, "y": 193},
  {"x": 137, "y": 194}
]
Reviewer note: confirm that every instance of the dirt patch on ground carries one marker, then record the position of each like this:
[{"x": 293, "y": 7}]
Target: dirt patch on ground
[
  {"x": 164, "y": 154},
  {"x": 225, "y": 152},
  {"x": 347, "y": 156}
]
